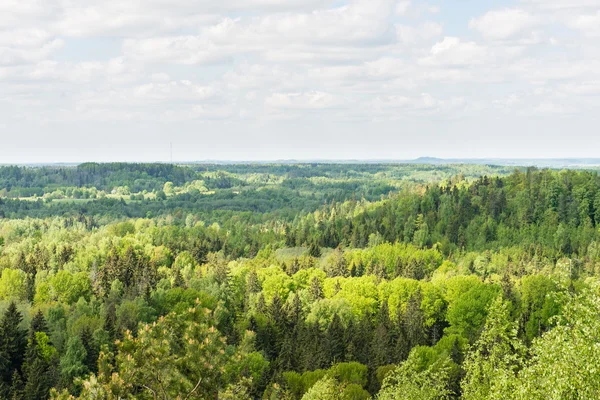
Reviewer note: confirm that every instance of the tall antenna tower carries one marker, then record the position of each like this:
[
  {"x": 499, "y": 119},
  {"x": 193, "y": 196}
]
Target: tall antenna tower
[{"x": 171, "y": 144}]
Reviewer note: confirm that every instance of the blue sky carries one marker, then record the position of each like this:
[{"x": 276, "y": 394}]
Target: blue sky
[{"x": 298, "y": 79}]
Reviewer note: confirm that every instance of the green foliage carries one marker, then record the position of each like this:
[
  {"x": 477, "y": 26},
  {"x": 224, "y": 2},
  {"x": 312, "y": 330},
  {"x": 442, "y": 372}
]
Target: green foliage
[
  {"x": 410, "y": 381},
  {"x": 468, "y": 312},
  {"x": 12, "y": 345},
  {"x": 564, "y": 360},
  {"x": 72, "y": 364},
  {"x": 284, "y": 281},
  {"x": 325, "y": 389},
  {"x": 13, "y": 284},
  {"x": 496, "y": 358}
]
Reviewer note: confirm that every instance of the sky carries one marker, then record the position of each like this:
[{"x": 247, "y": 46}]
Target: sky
[{"x": 120, "y": 80}]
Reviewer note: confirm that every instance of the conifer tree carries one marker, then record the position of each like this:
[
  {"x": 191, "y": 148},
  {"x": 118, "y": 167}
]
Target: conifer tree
[
  {"x": 38, "y": 324},
  {"x": 13, "y": 342},
  {"x": 178, "y": 281},
  {"x": 16, "y": 389},
  {"x": 252, "y": 283},
  {"x": 414, "y": 321},
  {"x": 41, "y": 360},
  {"x": 314, "y": 250},
  {"x": 334, "y": 340},
  {"x": 91, "y": 350},
  {"x": 315, "y": 289}
]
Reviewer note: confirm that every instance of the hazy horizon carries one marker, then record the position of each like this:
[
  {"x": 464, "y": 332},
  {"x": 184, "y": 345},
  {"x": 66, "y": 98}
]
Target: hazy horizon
[{"x": 584, "y": 162}]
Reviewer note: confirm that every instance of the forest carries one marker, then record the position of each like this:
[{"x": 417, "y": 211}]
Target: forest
[{"x": 299, "y": 282}]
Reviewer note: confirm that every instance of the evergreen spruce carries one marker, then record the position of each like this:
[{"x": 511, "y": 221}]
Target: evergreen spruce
[
  {"x": 315, "y": 290},
  {"x": 13, "y": 342},
  {"x": 334, "y": 340},
  {"x": 91, "y": 350}
]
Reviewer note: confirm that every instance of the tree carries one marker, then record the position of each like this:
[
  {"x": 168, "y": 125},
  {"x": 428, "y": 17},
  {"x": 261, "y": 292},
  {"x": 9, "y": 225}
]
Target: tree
[
  {"x": 252, "y": 283},
  {"x": 325, "y": 389},
  {"x": 110, "y": 321},
  {"x": 564, "y": 361},
  {"x": 72, "y": 364},
  {"x": 334, "y": 339},
  {"x": 178, "y": 356},
  {"x": 314, "y": 250},
  {"x": 13, "y": 284},
  {"x": 315, "y": 289},
  {"x": 410, "y": 382},
  {"x": 38, "y": 324},
  {"x": 414, "y": 322},
  {"x": 39, "y": 367},
  {"x": 497, "y": 357},
  {"x": 16, "y": 388},
  {"x": 468, "y": 312},
  {"x": 91, "y": 350},
  {"x": 13, "y": 342}
]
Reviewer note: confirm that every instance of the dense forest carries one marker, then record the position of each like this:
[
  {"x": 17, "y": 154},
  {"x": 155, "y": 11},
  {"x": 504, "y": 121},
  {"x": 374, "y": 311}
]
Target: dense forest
[{"x": 308, "y": 281}]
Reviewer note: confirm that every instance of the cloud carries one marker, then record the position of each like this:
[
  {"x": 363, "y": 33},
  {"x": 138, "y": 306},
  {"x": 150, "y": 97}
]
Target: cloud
[
  {"x": 314, "y": 100},
  {"x": 503, "y": 24},
  {"x": 187, "y": 62},
  {"x": 16, "y": 55},
  {"x": 413, "y": 34},
  {"x": 588, "y": 24},
  {"x": 187, "y": 50},
  {"x": 452, "y": 51},
  {"x": 561, "y": 5}
]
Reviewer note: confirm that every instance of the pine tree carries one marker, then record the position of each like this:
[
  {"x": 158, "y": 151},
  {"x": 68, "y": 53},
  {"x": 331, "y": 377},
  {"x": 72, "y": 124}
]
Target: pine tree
[
  {"x": 41, "y": 359},
  {"x": 334, "y": 340},
  {"x": 286, "y": 358},
  {"x": 110, "y": 322},
  {"x": 260, "y": 304},
  {"x": 315, "y": 290},
  {"x": 178, "y": 282},
  {"x": 38, "y": 324},
  {"x": 91, "y": 350},
  {"x": 13, "y": 342},
  {"x": 295, "y": 312},
  {"x": 362, "y": 339},
  {"x": 414, "y": 321},
  {"x": 252, "y": 283},
  {"x": 293, "y": 267},
  {"x": 314, "y": 250},
  {"x": 402, "y": 346},
  {"x": 349, "y": 334},
  {"x": 276, "y": 312},
  {"x": 381, "y": 345},
  {"x": 311, "y": 345},
  {"x": 16, "y": 389}
]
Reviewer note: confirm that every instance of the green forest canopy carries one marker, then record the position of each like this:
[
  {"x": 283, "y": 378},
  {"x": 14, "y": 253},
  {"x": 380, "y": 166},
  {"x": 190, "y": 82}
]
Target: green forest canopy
[{"x": 316, "y": 281}]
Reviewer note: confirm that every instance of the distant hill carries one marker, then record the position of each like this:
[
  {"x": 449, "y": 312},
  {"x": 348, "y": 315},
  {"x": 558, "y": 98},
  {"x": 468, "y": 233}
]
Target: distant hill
[
  {"x": 505, "y": 162},
  {"x": 537, "y": 162}
]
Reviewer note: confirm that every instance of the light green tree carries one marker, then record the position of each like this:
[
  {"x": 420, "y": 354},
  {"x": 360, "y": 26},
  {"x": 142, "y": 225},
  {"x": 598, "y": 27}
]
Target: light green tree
[
  {"x": 410, "y": 382},
  {"x": 13, "y": 284},
  {"x": 496, "y": 358}
]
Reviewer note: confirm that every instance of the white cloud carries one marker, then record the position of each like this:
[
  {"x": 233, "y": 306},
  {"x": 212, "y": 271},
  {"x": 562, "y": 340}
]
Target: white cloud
[
  {"x": 402, "y": 7},
  {"x": 412, "y": 34},
  {"x": 588, "y": 24},
  {"x": 452, "y": 51},
  {"x": 504, "y": 24},
  {"x": 561, "y": 5},
  {"x": 314, "y": 100},
  {"x": 175, "y": 50},
  {"x": 191, "y": 61},
  {"x": 24, "y": 54}
]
